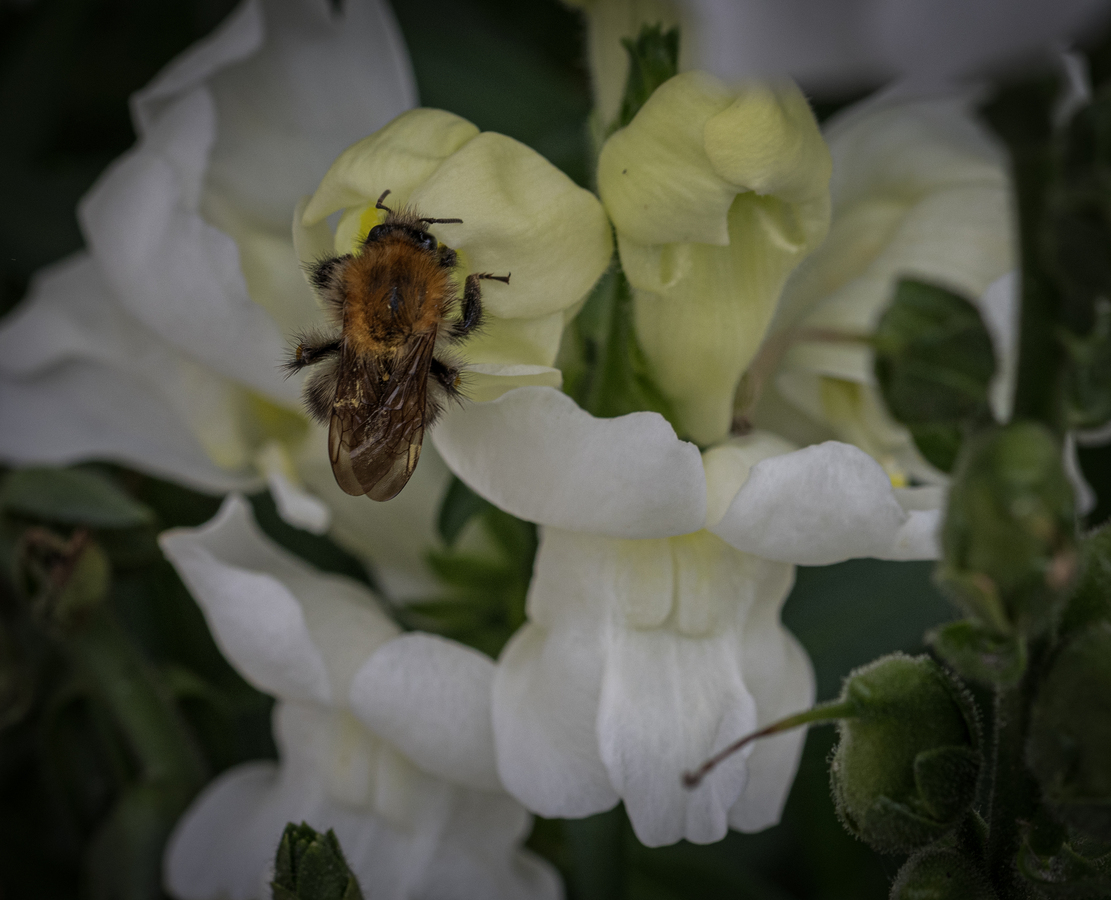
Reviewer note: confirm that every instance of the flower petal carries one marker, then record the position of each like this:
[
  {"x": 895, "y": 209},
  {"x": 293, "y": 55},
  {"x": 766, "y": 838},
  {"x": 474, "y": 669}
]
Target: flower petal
[
  {"x": 777, "y": 671},
  {"x": 667, "y": 703},
  {"x": 430, "y": 698},
  {"x": 727, "y": 467},
  {"x": 522, "y": 215},
  {"x": 221, "y": 847},
  {"x": 767, "y": 141},
  {"x": 173, "y": 271},
  {"x": 702, "y": 311},
  {"x": 81, "y": 379},
  {"x": 545, "y": 701},
  {"x": 483, "y": 857},
  {"x": 545, "y": 696},
  {"x": 270, "y": 613},
  {"x": 654, "y": 176},
  {"x": 824, "y": 504},
  {"x": 535, "y": 454},
  {"x": 396, "y": 158},
  {"x": 324, "y": 78}
]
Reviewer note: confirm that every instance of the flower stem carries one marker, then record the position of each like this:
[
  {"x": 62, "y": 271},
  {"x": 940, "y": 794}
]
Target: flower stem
[
  {"x": 1013, "y": 796},
  {"x": 823, "y": 712}
]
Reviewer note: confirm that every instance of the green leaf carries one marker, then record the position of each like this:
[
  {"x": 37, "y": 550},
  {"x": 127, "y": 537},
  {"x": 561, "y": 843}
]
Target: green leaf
[
  {"x": 459, "y": 506},
  {"x": 980, "y": 655},
  {"x": 71, "y": 497},
  {"x": 653, "y": 59},
  {"x": 934, "y": 361}
]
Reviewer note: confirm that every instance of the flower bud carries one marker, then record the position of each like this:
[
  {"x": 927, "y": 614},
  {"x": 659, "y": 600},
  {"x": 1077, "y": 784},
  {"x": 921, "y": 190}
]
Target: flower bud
[
  {"x": 941, "y": 873},
  {"x": 905, "y": 768},
  {"x": 1008, "y": 538},
  {"x": 310, "y": 866},
  {"x": 1070, "y": 733}
]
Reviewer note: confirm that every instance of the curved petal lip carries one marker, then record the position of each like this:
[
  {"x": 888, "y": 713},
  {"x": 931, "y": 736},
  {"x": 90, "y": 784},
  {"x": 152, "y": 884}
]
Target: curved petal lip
[{"x": 824, "y": 504}]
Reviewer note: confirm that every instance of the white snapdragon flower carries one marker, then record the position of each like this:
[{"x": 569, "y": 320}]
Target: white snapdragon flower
[
  {"x": 654, "y": 637},
  {"x": 716, "y": 195},
  {"x": 159, "y": 345},
  {"x": 919, "y": 191},
  {"x": 383, "y": 737}
]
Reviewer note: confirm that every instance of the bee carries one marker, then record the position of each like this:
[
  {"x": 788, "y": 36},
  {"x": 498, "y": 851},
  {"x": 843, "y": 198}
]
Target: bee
[{"x": 383, "y": 373}]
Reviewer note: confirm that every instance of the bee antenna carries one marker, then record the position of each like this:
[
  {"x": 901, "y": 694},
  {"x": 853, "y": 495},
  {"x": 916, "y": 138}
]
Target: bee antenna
[
  {"x": 379, "y": 205},
  {"x": 443, "y": 221}
]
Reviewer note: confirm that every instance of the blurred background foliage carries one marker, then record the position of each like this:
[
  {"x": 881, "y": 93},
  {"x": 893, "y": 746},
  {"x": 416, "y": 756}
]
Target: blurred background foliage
[{"x": 72, "y": 770}]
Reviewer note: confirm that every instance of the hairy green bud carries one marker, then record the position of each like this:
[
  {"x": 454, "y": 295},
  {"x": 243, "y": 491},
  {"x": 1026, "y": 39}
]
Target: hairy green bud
[
  {"x": 1009, "y": 533},
  {"x": 310, "y": 866},
  {"x": 905, "y": 768},
  {"x": 1069, "y": 747},
  {"x": 941, "y": 873}
]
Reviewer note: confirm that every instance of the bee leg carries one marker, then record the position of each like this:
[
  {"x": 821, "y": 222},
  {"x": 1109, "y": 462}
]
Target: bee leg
[
  {"x": 326, "y": 277},
  {"x": 310, "y": 349},
  {"x": 472, "y": 304},
  {"x": 446, "y": 375},
  {"x": 320, "y": 391}
]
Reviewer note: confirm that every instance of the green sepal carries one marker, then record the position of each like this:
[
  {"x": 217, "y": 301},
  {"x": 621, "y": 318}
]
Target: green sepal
[
  {"x": 980, "y": 655},
  {"x": 653, "y": 59},
  {"x": 311, "y": 866},
  {"x": 71, "y": 497},
  {"x": 933, "y": 362},
  {"x": 1070, "y": 733},
  {"x": 946, "y": 779},
  {"x": 941, "y": 873},
  {"x": 1065, "y": 874}
]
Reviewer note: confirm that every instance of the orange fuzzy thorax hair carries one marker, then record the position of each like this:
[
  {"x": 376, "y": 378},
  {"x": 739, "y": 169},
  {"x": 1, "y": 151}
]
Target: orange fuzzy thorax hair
[{"x": 393, "y": 291}]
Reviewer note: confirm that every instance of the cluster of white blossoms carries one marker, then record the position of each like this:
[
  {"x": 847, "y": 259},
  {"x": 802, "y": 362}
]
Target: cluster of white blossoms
[{"x": 653, "y": 636}]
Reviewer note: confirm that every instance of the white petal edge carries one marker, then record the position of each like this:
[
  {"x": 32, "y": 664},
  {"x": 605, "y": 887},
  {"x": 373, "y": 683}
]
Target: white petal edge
[
  {"x": 824, "y": 504},
  {"x": 254, "y": 618},
  {"x": 534, "y": 453}
]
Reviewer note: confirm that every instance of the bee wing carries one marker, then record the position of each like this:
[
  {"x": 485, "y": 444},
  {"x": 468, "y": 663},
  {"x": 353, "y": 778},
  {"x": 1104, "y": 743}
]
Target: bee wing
[{"x": 377, "y": 425}]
